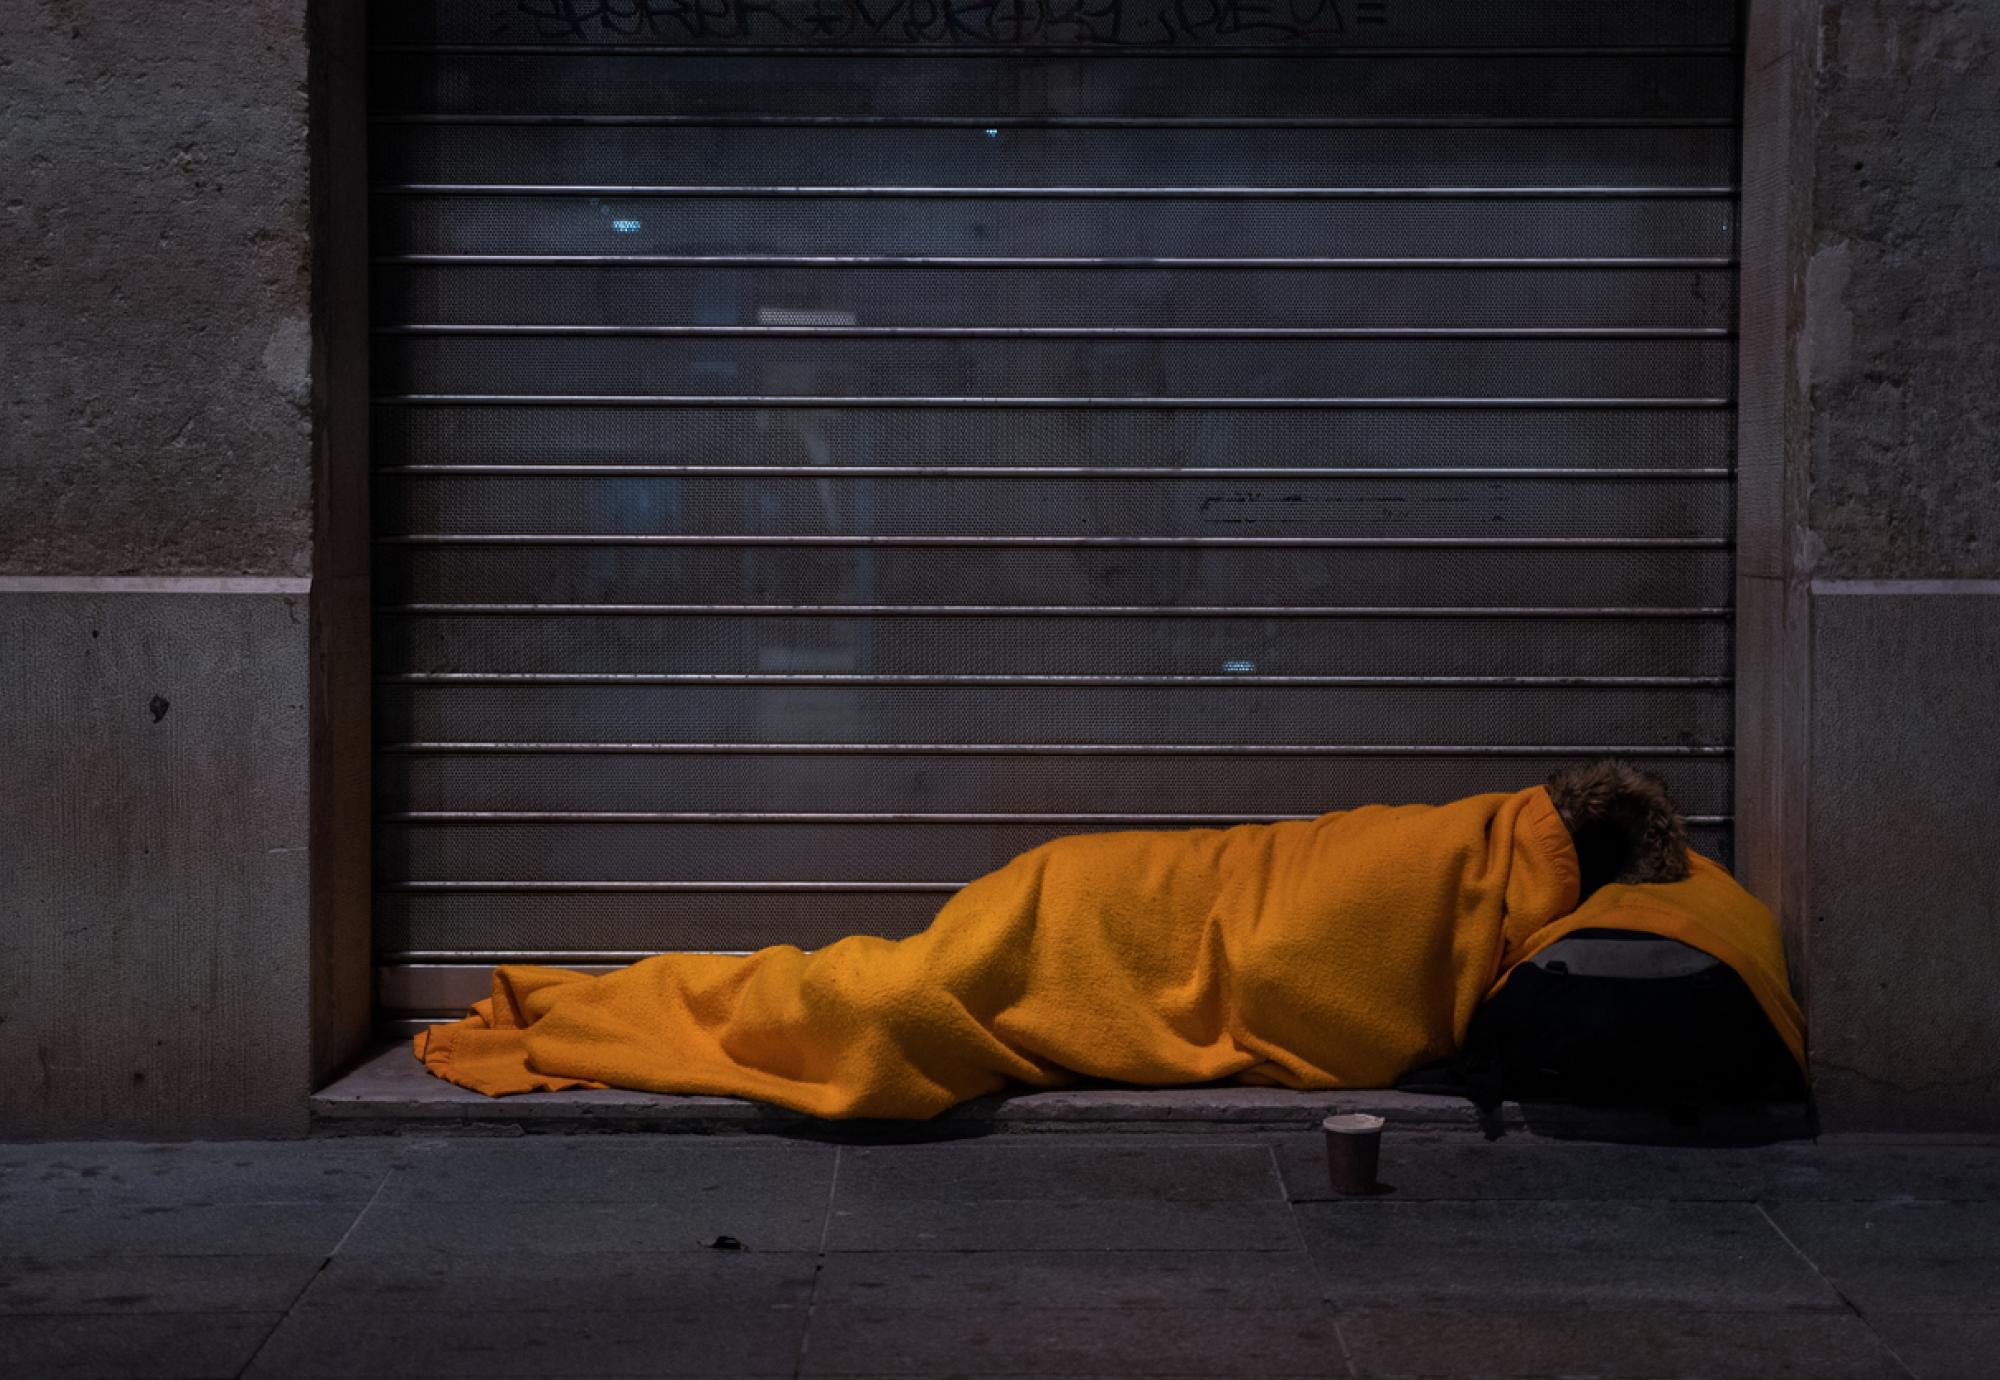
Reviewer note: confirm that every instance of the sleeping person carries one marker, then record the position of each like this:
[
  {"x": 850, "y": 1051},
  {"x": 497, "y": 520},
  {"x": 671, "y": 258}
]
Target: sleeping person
[{"x": 1336, "y": 952}]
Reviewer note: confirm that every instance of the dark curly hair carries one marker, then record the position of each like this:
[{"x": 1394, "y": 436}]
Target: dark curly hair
[{"x": 1623, "y": 823}]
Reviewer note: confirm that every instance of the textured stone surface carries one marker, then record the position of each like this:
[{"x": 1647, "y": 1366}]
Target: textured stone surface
[
  {"x": 1706, "y": 1257},
  {"x": 154, "y": 314},
  {"x": 776, "y": 1219},
  {"x": 1073, "y": 1341},
  {"x": 1902, "y": 289},
  {"x": 1608, "y": 1272},
  {"x": 427, "y": 1280},
  {"x": 1430, "y": 1167},
  {"x": 1869, "y": 423},
  {"x": 593, "y": 1342},
  {"x": 153, "y": 970},
  {"x": 71, "y": 1231},
  {"x": 390, "y": 1087},
  {"x": 946, "y": 1281},
  {"x": 107, "y": 1283},
  {"x": 109, "y": 1172},
  {"x": 170, "y": 1346},
  {"x": 1905, "y": 943},
  {"x": 1614, "y": 1345},
  {"x": 1040, "y": 1224},
  {"x": 1943, "y": 1348},
  {"x": 562, "y": 1169},
  {"x": 1901, "y": 1256},
  {"x": 1193, "y": 1172}
]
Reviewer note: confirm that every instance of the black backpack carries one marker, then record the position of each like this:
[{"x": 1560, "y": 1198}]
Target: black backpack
[{"x": 1609, "y": 1017}]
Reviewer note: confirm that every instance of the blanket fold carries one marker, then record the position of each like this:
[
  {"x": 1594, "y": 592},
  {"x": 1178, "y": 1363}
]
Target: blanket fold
[{"x": 1328, "y": 953}]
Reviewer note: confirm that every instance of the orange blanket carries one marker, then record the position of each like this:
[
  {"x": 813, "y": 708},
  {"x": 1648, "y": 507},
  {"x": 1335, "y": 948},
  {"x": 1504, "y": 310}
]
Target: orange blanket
[{"x": 1338, "y": 952}]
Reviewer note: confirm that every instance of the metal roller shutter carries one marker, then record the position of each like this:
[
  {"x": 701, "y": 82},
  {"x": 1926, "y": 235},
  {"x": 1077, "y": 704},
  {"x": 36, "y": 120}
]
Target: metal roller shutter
[{"x": 825, "y": 448}]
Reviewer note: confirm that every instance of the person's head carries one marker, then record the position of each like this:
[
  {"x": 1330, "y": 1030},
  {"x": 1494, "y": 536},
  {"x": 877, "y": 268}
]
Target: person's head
[{"x": 1622, "y": 822}]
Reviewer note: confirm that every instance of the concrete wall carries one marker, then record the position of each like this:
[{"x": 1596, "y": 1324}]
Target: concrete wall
[
  {"x": 155, "y": 542},
  {"x": 1871, "y": 555}
]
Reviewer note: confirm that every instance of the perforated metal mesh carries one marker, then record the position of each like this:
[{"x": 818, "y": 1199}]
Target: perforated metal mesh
[
  {"x": 751, "y": 568},
  {"x": 868, "y": 156},
  {"x": 1238, "y": 786},
  {"x": 1561, "y": 438},
  {"x": 1672, "y": 84},
  {"x": 1054, "y": 368},
  {"x": 637, "y": 293},
  {"x": 1240, "y": 647},
  {"x": 1626, "y": 227},
  {"x": 1013, "y": 577},
  {"x": 971, "y": 505}
]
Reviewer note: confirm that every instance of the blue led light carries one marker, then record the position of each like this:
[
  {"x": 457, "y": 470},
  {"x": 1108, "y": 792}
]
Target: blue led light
[
  {"x": 625, "y": 227},
  {"x": 1239, "y": 665}
]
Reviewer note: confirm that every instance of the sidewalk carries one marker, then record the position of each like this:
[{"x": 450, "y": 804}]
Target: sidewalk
[{"x": 1217, "y": 1254}]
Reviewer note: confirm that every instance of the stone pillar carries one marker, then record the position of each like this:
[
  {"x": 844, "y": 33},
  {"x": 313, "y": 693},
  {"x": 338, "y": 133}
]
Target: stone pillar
[
  {"x": 1869, "y": 774},
  {"x": 156, "y": 514}
]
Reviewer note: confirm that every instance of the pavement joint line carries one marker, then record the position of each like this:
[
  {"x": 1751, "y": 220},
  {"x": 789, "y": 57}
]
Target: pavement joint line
[
  {"x": 249, "y": 1363},
  {"x": 1299, "y": 1234},
  {"x": 1837, "y": 1291},
  {"x": 819, "y": 1266}
]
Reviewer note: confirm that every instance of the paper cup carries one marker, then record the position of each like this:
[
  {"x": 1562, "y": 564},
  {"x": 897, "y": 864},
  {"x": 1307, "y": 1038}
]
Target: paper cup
[{"x": 1353, "y": 1151}]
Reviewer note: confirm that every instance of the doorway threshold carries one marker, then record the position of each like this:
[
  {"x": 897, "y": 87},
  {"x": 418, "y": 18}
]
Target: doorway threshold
[{"x": 389, "y": 1092}]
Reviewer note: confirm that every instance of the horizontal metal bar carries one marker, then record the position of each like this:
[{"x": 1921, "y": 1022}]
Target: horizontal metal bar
[
  {"x": 995, "y": 122},
  {"x": 1070, "y": 332},
  {"x": 595, "y": 887},
  {"x": 454, "y": 959},
  {"x": 1177, "y": 543},
  {"x": 839, "y": 817},
  {"x": 1083, "y": 404},
  {"x": 1062, "y": 749},
  {"x": 1032, "y": 611},
  {"x": 1259, "y": 333},
  {"x": 1117, "y": 50},
  {"x": 1151, "y": 262},
  {"x": 614, "y": 678},
  {"x": 914, "y": 192},
  {"x": 1057, "y": 471}
]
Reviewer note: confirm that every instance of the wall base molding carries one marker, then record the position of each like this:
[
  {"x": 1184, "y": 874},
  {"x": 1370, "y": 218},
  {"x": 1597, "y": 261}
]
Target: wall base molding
[{"x": 153, "y": 584}]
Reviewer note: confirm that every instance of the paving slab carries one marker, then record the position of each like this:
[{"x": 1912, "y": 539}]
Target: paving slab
[
  {"x": 503, "y": 1281},
  {"x": 948, "y": 1281},
  {"x": 139, "y": 1346},
  {"x": 1055, "y": 1224},
  {"x": 71, "y": 1229},
  {"x": 592, "y": 1342},
  {"x": 325, "y": 1171},
  {"x": 156, "y": 1283},
  {"x": 1720, "y": 1257},
  {"x": 1070, "y": 1341},
  {"x": 1422, "y": 1164},
  {"x": 1400, "y": 1340},
  {"x": 1842, "y": 1168},
  {"x": 1904, "y": 1256},
  {"x": 759, "y": 1223},
  {"x": 1942, "y": 1347},
  {"x": 609, "y": 1169},
  {"x": 1428, "y": 1167},
  {"x": 1094, "y": 1251},
  {"x": 1106, "y": 1171},
  {"x": 1899, "y": 1226}
]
